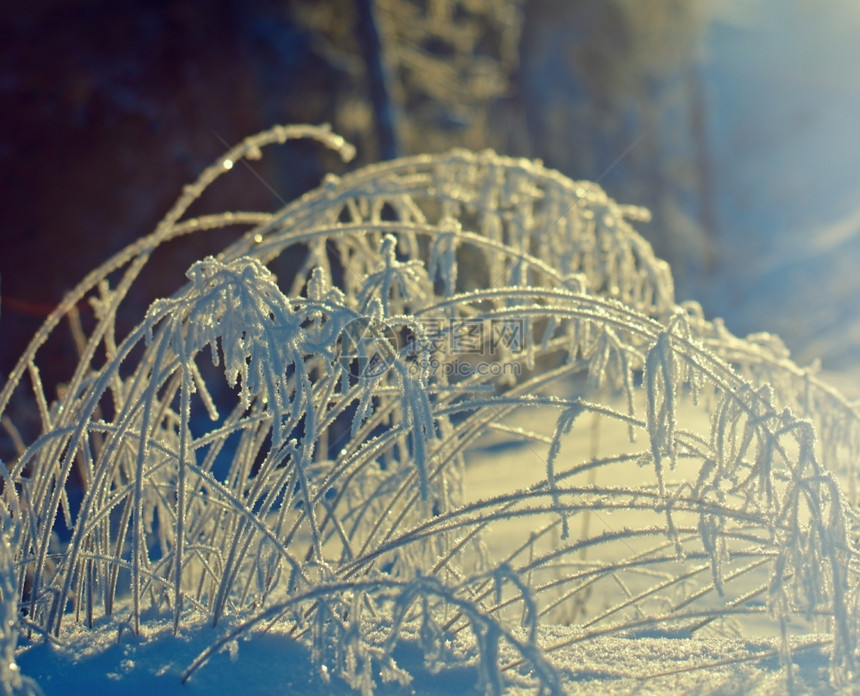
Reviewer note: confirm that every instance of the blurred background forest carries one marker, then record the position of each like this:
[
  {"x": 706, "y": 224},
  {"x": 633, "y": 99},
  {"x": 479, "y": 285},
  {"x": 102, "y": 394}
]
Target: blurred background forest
[{"x": 733, "y": 121}]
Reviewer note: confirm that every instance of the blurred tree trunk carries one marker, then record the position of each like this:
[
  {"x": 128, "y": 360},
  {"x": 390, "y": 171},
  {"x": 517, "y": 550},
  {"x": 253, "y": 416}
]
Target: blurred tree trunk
[{"x": 379, "y": 79}]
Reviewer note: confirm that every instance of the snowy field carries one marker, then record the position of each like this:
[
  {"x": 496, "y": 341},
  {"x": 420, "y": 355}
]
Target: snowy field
[{"x": 100, "y": 662}]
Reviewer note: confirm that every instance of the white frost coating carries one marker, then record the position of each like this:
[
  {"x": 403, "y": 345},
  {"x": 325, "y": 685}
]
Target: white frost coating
[
  {"x": 12, "y": 682},
  {"x": 670, "y": 479}
]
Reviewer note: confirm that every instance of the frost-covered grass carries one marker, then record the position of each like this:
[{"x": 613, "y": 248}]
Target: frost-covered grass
[{"x": 293, "y": 457}]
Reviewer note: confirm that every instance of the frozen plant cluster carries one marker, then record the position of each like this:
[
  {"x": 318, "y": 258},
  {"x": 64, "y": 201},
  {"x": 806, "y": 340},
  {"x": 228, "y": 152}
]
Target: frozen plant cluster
[{"x": 233, "y": 454}]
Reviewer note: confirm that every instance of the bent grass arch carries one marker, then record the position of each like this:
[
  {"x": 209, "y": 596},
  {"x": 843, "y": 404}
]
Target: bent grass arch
[{"x": 274, "y": 484}]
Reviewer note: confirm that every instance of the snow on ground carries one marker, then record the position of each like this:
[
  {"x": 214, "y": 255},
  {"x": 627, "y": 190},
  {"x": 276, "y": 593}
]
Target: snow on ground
[{"x": 110, "y": 660}]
